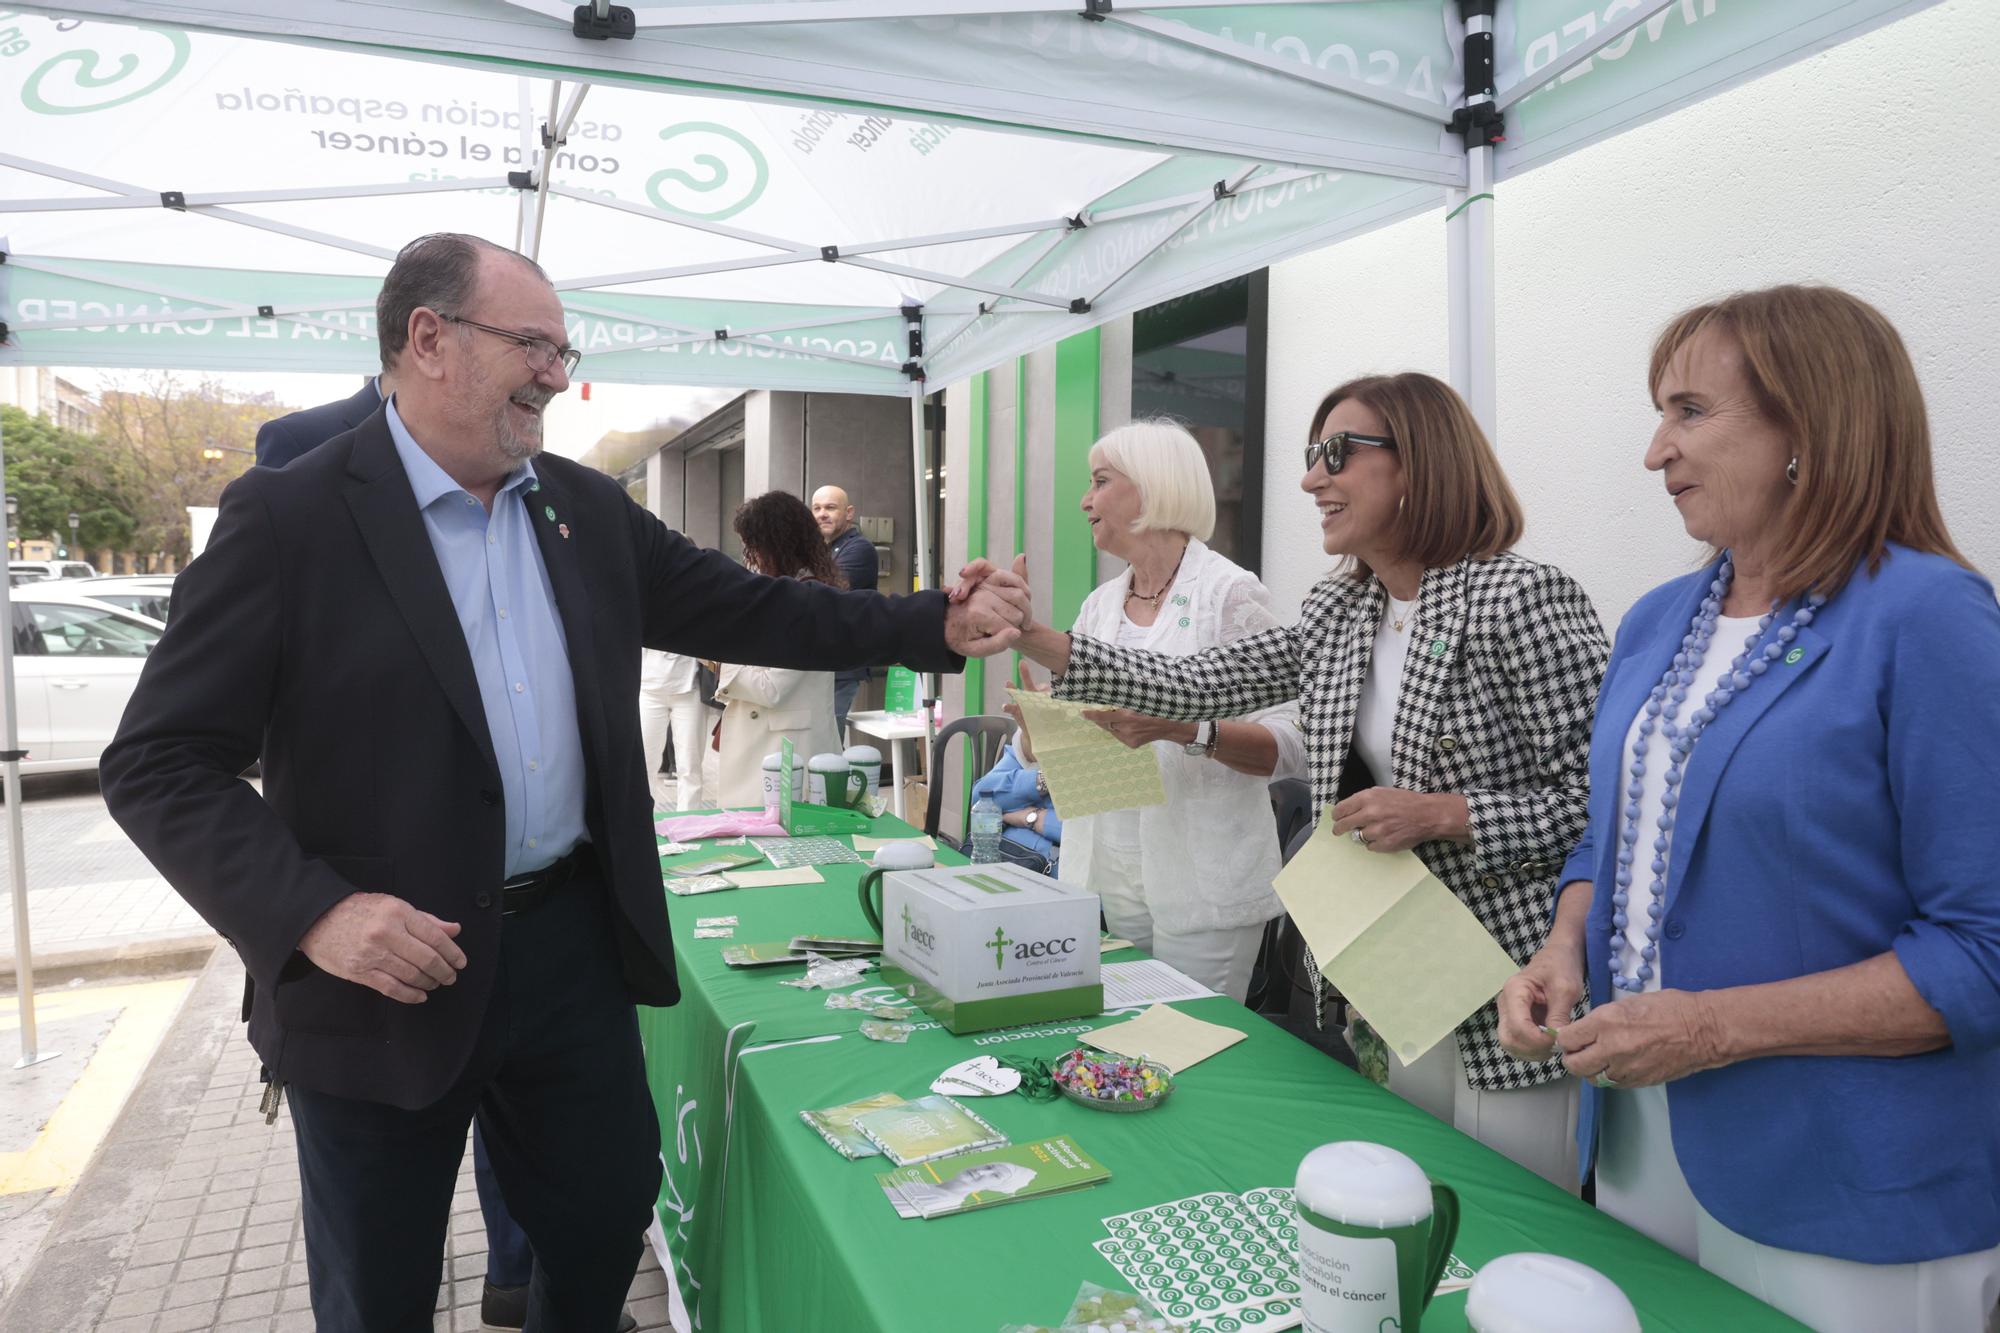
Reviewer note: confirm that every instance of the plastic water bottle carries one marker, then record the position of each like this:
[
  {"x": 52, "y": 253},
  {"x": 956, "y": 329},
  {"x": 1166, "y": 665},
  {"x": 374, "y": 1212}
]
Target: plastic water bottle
[{"x": 985, "y": 830}]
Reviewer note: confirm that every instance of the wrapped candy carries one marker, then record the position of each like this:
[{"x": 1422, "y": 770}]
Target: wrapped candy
[{"x": 1110, "y": 1078}]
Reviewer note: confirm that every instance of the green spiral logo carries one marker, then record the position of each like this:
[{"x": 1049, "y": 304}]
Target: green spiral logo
[
  {"x": 76, "y": 77},
  {"x": 722, "y": 161}
]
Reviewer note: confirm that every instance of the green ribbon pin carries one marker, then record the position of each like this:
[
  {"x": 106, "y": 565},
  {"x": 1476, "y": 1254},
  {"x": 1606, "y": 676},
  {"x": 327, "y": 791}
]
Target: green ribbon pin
[
  {"x": 1794, "y": 657},
  {"x": 549, "y": 513},
  {"x": 1439, "y": 647}
]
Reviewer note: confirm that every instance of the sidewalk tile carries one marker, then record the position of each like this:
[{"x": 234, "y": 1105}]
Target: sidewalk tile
[
  {"x": 208, "y": 1265},
  {"x": 157, "y": 1252},
  {"x": 201, "y": 1291},
  {"x": 261, "y": 1305},
  {"x": 220, "y": 1219},
  {"x": 134, "y": 1303},
  {"x": 187, "y": 1319},
  {"x": 145, "y": 1279},
  {"x": 263, "y": 1256},
  {"x": 215, "y": 1242}
]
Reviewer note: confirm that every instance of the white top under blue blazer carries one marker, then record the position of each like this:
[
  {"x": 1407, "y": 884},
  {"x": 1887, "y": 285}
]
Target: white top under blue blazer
[{"x": 1846, "y": 804}]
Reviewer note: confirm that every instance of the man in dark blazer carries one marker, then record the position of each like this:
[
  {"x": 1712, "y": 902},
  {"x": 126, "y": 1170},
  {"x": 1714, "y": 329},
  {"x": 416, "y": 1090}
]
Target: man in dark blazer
[
  {"x": 510, "y": 1258},
  {"x": 448, "y": 896},
  {"x": 281, "y": 440},
  {"x": 855, "y": 555}
]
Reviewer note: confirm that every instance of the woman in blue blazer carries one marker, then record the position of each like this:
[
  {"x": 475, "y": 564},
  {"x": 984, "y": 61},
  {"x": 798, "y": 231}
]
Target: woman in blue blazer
[{"x": 1786, "y": 904}]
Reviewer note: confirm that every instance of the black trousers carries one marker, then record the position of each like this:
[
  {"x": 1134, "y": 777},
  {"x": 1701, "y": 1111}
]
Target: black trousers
[{"x": 559, "y": 1086}]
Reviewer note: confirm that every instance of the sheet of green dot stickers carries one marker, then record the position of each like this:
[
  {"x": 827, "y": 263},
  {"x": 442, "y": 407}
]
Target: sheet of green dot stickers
[
  {"x": 1089, "y": 771},
  {"x": 1205, "y": 1261},
  {"x": 1272, "y": 1207}
]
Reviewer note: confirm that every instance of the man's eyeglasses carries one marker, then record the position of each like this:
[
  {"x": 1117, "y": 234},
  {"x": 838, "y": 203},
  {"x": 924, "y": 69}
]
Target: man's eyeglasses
[
  {"x": 542, "y": 354},
  {"x": 1338, "y": 447}
]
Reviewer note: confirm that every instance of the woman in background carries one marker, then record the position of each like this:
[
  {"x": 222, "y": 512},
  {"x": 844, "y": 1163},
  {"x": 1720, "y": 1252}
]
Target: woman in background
[{"x": 767, "y": 705}]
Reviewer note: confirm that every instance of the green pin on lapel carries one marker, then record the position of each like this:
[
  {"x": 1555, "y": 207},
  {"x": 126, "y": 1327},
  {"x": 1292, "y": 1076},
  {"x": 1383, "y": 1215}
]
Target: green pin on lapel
[
  {"x": 1794, "y": 657},
  {"x": 549, "y": 513},
  {"x": 534, "y": 486},
  {"x": 1439, "y": 647}
]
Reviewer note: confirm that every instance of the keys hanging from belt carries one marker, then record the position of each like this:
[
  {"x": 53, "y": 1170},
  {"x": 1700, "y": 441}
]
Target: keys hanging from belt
[{"x": 274, "y": 1094}]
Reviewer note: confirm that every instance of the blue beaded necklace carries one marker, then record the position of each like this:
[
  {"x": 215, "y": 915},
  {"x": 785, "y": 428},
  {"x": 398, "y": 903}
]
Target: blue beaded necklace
[{"x": 1663, "y": 706}]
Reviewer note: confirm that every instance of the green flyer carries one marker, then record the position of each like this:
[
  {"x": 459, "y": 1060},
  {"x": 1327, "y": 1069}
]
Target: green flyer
[
  {"x": 976, "y": 1180},
  {"x": 931, "y": 1126},
  {"x": 836, "y": 1124}
]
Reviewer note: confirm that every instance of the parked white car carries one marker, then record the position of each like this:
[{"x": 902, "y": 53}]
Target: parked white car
[
  {"x": 142, "y": 594},
  {"x": 76, "y": 662},
  {"x": 29, "y": 571}
]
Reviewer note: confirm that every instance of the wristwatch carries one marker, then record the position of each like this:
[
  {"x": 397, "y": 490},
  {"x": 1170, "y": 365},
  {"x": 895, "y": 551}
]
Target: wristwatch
[
  {"x": 1034, "y": 821},
  {"x": 1203, "y": 742}
]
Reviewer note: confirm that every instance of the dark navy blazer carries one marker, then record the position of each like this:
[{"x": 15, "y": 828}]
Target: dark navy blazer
[
  {"x": 282, "y": 440},
  {"x": 1840, "y": 807}
]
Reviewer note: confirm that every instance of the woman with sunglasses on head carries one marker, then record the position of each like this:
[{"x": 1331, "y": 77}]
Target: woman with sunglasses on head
[{"x": 1445, "y": 688}]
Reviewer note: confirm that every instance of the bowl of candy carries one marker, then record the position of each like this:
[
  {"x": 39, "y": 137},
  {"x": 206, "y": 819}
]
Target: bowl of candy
[{"x": 1106, "y": 1082}]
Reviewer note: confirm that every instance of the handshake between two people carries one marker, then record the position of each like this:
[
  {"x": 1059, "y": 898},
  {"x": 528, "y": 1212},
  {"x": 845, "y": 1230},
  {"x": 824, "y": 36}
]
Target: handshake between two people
[{"x": 990, "y": 608}]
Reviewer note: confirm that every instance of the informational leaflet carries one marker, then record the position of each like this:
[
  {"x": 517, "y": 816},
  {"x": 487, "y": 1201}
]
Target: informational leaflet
[
  {"x": 931, "y": 1126},
  {"x": 1166, "y": 1036},
  {"x": 1089, "y": 771},
  {"x": 1411, "y": 958},
  {"x": 1148, "y": 981},
  {"x": 983, "y": 1179},
  {"x": 835, "y": 1124}
]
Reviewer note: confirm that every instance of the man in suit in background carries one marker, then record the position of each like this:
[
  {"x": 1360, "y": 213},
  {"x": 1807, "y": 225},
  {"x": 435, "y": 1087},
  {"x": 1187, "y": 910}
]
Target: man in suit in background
[
  {"x": 855, "y": 555},
  {"x": 448, "y": 895},
  {"x": 510, "y": 1260},
  {"x": 281, "y": 440}
]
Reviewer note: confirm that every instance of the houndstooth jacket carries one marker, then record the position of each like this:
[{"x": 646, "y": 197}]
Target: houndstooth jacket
[{"x": 1497, "y": 696}]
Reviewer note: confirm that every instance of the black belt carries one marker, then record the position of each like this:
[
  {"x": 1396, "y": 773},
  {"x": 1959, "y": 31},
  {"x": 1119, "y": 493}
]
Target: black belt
[{"x": 524, "y": 893}]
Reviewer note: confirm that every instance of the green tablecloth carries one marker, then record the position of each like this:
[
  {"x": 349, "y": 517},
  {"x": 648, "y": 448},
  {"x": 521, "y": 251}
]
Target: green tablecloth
[{"x": 770, "y": 1229}]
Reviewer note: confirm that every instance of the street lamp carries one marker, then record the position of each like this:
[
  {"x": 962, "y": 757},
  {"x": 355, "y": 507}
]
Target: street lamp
[
  {"x": 74, "y": 519},
  {"x": 13, "y": 511}
]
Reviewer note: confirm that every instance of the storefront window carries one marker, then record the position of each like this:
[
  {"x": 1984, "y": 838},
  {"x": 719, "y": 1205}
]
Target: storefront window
[{"x": 1199, "y": 359}]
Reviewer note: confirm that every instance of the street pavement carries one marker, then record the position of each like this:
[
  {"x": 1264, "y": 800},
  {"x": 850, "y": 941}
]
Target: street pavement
[{"x": 90, "y": 893}]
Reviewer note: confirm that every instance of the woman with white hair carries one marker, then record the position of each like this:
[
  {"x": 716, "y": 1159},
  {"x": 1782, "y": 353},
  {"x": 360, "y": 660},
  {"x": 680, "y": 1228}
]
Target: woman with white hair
[{"x": 1188, "y": 881}]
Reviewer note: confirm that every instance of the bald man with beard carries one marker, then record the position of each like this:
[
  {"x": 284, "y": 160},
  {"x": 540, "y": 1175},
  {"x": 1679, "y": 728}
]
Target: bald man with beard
[{"x": 855, "y": 555}]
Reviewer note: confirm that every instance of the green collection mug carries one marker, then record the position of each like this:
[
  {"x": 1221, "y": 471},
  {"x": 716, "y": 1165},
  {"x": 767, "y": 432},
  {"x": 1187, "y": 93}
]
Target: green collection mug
[
  {"x": 890, "y": 856},
  {"x": 1374, "y": 1237},
  {"x": 831, "y": 781}
]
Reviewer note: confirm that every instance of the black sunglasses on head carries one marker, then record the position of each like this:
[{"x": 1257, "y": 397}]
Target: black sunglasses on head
[{"x": 1339, "y": 446}]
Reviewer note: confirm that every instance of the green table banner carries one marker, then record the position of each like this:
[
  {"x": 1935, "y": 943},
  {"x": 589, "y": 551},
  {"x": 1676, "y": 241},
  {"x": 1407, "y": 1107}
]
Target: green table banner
[{"x": 768, "y": 1228}]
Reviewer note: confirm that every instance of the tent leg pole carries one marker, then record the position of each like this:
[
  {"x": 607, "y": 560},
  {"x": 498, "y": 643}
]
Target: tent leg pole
[
  {"x": 17, "y": 857},
  {"x": 1482, "y": 381},
  {"x": 1469, "y": 229}
]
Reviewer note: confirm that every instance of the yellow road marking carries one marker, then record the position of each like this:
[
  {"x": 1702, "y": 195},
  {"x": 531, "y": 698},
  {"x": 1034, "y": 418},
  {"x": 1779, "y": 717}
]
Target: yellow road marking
[{"x": 64, "y": 1147}]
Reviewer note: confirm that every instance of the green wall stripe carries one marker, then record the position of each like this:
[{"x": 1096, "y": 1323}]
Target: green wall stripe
[
  {"x": 1076, "y": 430},
  {"x": 1020, "y": 473},
  {"x": 975, "y": 527}
]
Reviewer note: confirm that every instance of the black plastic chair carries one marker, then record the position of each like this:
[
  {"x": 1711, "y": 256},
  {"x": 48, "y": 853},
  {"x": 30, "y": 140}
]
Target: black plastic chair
[
  {"x": 987, "y": 736},
  {"x": 1291, "y": 806}
]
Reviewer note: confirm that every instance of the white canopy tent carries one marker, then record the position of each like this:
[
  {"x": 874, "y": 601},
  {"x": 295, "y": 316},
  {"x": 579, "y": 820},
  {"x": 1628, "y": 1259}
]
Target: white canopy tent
[
  {"x": 783, "y": 194},
  {"x": 875, "y": 196}
]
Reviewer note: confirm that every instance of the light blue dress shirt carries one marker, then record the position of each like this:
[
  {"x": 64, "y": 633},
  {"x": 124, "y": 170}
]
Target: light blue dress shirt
[{"x": 493, "y": 569}]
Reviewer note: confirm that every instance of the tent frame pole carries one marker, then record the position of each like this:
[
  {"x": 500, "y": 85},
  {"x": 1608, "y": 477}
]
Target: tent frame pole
[
  {"x": 1582, "y": 52},
  {"x": 1469, "y": 228},
  {"x": 17, "y": 852}
]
